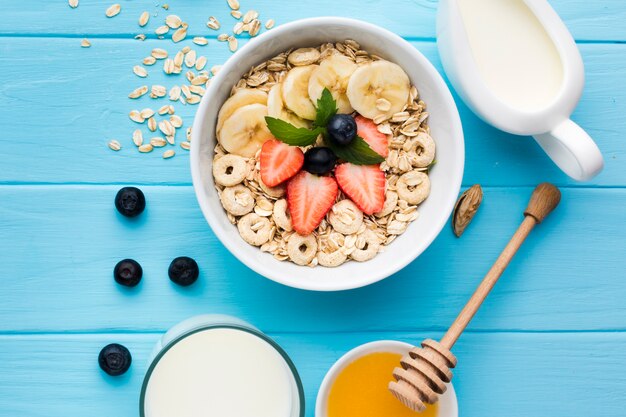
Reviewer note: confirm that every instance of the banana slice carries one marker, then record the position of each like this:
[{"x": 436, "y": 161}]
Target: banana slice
[
  {"x": 242, "y": 97},
  {"x": 379, "y": 88},
  {"x": 245, "y": 131},
  {"x": 276, "y": 108},
  {"x": 296, "y": 92},
  {"x": 333, "y": 73}
]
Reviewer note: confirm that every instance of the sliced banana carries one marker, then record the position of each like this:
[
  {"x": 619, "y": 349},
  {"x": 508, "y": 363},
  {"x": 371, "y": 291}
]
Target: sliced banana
[
  {"x": 375, "y": 81},
  {"x": 296, "y": 92},
  {"x": 276, "y": 108},
  {"x": 242, "y": 97},
  {"x": 333, "y": 73},
  {"x": 245, "y": 131}
]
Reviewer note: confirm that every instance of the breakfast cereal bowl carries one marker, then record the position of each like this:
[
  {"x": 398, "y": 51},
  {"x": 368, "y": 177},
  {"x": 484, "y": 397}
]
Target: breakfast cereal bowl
[{"x": 444, "y": 177}]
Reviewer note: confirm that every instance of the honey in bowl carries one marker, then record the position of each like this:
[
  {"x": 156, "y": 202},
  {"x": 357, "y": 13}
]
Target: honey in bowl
[{"x": 360, "y": 390}]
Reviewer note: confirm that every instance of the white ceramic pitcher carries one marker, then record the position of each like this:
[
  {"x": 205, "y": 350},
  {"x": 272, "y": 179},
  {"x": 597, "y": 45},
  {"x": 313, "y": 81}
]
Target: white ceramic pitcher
[{"x": 515, "y": 64}]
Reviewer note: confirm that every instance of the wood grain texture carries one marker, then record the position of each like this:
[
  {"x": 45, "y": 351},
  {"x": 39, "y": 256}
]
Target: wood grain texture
[
  {"x": 602, "y": 20},
  {"x": 64, "y": 241},
  {"x": 59, "y": 124},
  {"x": 499, "y": 374}
]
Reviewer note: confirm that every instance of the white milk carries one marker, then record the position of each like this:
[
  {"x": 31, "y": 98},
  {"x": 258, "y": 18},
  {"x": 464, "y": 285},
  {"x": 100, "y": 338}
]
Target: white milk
[
  {"x": 515, "y": 56},
  {"x": 220, "y": 372}
]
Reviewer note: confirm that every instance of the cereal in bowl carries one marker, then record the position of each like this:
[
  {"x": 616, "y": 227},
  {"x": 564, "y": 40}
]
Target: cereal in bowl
[{"x": 323, "y": 155}]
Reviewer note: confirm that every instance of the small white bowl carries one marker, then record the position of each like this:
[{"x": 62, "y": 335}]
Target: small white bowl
[
  {"x": 448, "y": 406},
  {"x": 445, "y": 176}
]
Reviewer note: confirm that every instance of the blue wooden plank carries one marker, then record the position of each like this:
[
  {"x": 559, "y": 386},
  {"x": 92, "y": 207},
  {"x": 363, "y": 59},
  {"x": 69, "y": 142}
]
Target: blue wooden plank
[
  {"x": 61, "y": 243},
  {"x": 499, "y": 374},
  {"x": 587, "y": 20},
  {"x": 57, "y": 125}
]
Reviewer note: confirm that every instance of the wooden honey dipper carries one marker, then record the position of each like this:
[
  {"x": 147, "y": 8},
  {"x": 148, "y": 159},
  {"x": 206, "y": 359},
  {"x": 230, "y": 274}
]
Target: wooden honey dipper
[{"x": 426, "y": 370}]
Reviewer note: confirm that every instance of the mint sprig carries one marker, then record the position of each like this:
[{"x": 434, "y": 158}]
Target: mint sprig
[
  {"x": 326, "y": 109},
  {"x": 358, "y": 152},
  {"x": 291, "y": 135}
]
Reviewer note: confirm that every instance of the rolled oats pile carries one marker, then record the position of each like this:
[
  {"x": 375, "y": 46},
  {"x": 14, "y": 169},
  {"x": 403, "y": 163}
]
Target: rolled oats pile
[{"x": 262, "y": 213}]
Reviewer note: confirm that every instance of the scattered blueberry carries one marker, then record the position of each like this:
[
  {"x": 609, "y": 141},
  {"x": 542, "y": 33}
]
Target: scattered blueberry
[
  {"x": 319, "y": 160},
  {"x": 130, "y": 201},
  {"x": 114, "y": 359},
  {"x": 183, "y": 271},
  {"x": 127, "y": 272},
  {"x": 342, "y": 129}
]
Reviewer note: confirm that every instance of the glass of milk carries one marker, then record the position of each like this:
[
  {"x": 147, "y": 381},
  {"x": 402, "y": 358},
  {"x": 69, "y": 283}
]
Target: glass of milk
[
  {"x": 215, "y": 365},
  {"x": 514, "y": 63}
]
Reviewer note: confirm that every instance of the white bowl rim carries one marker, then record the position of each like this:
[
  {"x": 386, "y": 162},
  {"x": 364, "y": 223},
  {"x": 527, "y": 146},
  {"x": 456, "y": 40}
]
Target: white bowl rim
[
  {"x": 448, "y": 401},
  {"x": 267, "y": 269}
]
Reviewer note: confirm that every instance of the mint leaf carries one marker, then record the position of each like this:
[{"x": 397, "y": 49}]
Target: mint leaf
[
  {"x": 326, "y": 108},
  {"x": 358, "y": 152},
  {"x": 291, "y": 135}
]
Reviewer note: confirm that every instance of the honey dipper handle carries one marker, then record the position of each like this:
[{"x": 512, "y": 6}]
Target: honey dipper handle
[{"x": 543, "y": 200}]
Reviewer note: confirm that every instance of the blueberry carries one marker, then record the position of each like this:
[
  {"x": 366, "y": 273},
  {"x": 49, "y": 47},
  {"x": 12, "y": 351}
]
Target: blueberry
[
  {"x": 114, "y": 359},
  {"x": 342, "y": 129},
  {"x": 319, "y": 160},
  {"x": 183, "y": 271},
  {"x": 130, "y": 201},
  {"x": 127, "y": 272}
]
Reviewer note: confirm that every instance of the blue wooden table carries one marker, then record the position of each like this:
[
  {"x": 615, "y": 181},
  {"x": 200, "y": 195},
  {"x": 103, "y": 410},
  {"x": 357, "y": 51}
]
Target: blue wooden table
[{"x": 550, "y": 340}]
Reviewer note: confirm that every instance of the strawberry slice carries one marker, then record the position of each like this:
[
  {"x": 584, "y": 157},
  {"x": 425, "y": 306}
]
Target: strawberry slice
[
  {"x": 309, "y": 198},
  {"x": 364, "y": 184},
  {"x": 279, "y": 162},
  {"x": 368, "y": 130}
]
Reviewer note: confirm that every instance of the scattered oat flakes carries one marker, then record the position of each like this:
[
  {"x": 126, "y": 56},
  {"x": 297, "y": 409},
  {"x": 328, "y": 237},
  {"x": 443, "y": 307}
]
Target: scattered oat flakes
[
  {"x": 169, "y": 153},
  {"x": 73, "y": 3},
  {"x": 158, "y": 142},
  {"x": 145, "y": 148},
  {"x": 236, "y": 14},
  {"x": 137, "y": 137},
  {"x": 113, "y": 10},
  {"x": 174, "y": 93},
  {"x": 270, "y": 24},
  {"x": 138, "y": 92},
  {"x": 152, "y": 124},
  {"x": 233, "y": 4},
  {"x": 159, "y": 53},
  {"x": 188, "y": 134},
  {"x": 162, "y": 30},
  {"x": 173, "y": 21},
  {"x": 115, "y": 145},
  {"x": 213, "y": 23},
  {"x": 223, "y": 37},
  {"x": 232, "y": 43},
  {"x": 238, "y": 28},
  {"x": 194, "y": 99},
  {"x": 85, "y": 43},
  {"x": 250, "y": 16},
  {"x": 190, "y": 59},
  {"x": 201, "y": 63},
  {"x": 179, "y": 35},
  {"x": 135, "y": 116},
  {"x": 140, "y": 71},
  {"x": 157, "y": 91},
  {"x": 140, "y": 37},
  {"x": 149, "y": 60},
  {"x": 166, "y": 6},
  {"x": 168, "y": 66},
  {"x": 200, "y": 40},
  {"x": 176, "y": 121},
  {"x": 146, "y": 113},
  {"x": 185, "y": 145},
  {"x": 143, "y": 19},
  {"x": 215, "y": 69},
  {"x": 255, "y": 27},
  {"x": 186, "y": 49}
]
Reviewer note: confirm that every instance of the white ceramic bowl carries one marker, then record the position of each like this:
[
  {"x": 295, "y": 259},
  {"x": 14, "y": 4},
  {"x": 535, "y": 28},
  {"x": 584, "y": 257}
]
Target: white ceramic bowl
[
  {"x": 445, "y": 176},
  {"x": 448, "y": 406}
]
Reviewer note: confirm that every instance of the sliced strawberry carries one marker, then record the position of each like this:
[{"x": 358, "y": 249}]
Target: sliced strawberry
[
  {"x": 279, "y": 162},
  {"x": 363, "y": 184},
  {"x": 368, "y": 130},
  {"x": 309, "y": 198}
]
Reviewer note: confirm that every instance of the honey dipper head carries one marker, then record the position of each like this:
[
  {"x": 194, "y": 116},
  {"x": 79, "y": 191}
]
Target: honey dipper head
[{"x": 423, "y": 375}]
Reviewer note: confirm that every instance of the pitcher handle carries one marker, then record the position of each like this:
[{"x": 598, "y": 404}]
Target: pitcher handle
[{"x": 572, "y": 150}]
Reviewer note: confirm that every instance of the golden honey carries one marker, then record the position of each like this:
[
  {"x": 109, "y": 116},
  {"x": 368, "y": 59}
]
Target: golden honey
[{"x": 360, "y": 390}]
